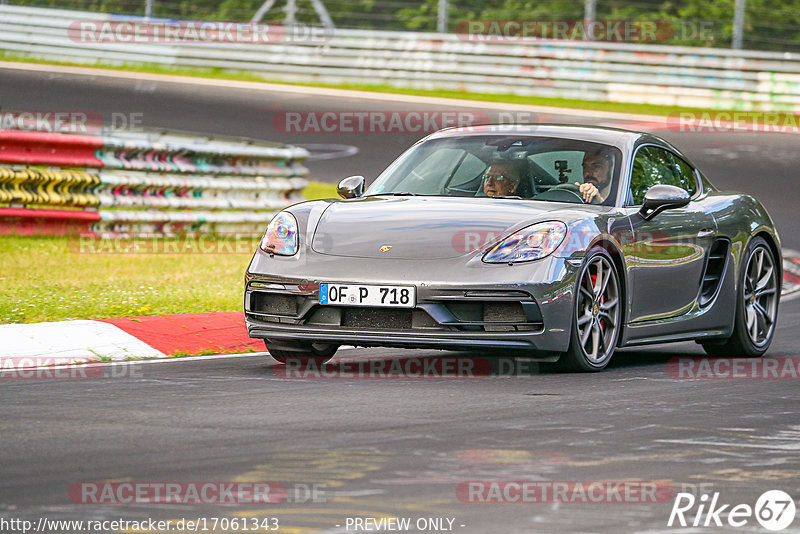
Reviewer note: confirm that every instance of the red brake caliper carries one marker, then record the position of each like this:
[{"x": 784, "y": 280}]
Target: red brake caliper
[{"x": 602, "y": 297}]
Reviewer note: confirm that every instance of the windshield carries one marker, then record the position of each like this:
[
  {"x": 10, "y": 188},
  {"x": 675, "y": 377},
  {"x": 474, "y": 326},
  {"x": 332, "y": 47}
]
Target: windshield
[{"x": 504, "y": 166}]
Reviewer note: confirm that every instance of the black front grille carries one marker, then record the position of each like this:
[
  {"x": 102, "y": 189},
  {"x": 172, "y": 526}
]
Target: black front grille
[
  {"x": 466, "y": 311},
  {"x": 503, "y": 312},
  {"x": 378, "y": 318},
  {"x": 273, "y": 303},
  {"x": 488, "y": 312}
]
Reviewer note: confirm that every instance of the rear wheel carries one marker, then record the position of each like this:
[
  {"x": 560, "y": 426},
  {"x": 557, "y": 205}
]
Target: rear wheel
[
  {"x": 596, "y": 316},
  {"x": 317, "y": 352},
  {"x": 756, "y": 305}
]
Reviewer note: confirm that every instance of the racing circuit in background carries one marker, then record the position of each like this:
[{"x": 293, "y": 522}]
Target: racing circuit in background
[{"x": 350, "y": 447}]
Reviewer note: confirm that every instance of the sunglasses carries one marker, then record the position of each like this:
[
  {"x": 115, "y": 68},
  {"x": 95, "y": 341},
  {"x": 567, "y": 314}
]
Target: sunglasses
[{"x": 488, "y": 177}]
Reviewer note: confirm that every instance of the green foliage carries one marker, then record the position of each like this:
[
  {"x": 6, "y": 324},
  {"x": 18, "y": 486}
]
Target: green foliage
[{"x": 769, "y": 24}]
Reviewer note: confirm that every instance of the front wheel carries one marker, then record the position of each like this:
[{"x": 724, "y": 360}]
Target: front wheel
[
  {"x": 318, "y": 353},
  {"x": 756, "y": 305},
  {"x": 596, "y": 315}
]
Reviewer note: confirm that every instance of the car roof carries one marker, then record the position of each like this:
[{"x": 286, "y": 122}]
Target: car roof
[{"x": 596, "y": 134}]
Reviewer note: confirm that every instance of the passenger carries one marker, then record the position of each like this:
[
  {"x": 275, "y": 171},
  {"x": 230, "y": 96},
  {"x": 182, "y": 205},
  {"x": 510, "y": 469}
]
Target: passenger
[
  {"x": 596, "y": 186},
  {"x": 500, "y": 180}
]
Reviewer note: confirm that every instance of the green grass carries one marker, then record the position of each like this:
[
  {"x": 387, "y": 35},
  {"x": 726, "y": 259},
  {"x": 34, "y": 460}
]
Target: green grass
[
  {"x": 217, "y": 73},
  {"x": 317, "y": 190},
  {"x": 48, "y": 279},
  {"x": 208, "y": 352}
]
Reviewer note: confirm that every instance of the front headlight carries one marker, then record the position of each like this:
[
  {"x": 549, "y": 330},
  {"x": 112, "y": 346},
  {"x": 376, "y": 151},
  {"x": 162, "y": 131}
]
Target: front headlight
[
  {"x": 281, "y": 235},
  {"x": 531, "y": 243}
]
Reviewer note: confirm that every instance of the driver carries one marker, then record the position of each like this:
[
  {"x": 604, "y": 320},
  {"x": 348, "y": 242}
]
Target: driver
[
  {"x": 500, "y": 180},
  {"x": 596, "y": 186}
]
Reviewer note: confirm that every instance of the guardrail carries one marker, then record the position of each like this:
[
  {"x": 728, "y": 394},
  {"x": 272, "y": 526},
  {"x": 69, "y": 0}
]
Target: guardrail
[
  {"x": 154, "y": 183},
  {"x": 615, "y": 72}
]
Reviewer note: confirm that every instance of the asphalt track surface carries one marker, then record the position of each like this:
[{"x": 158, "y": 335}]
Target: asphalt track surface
[{"x": 399, "y": 447}]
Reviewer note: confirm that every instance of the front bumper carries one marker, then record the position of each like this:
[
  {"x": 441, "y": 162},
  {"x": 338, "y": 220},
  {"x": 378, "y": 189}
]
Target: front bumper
[{"x": 526, "y": 307}]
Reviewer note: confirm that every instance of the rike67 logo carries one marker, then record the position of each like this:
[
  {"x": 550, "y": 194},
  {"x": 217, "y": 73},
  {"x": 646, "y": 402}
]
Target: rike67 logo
[{"x": 774, "y": 510}]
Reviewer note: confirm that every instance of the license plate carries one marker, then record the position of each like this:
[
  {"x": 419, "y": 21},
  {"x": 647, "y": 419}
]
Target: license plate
[{"x": 361, "y": 295}]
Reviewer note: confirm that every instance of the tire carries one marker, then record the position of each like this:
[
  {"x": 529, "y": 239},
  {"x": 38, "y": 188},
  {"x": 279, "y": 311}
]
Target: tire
[
  {"x": 757, "y": 301},
  {"x": 596, "y": 315},
  {"x": 317, "y": 353}
]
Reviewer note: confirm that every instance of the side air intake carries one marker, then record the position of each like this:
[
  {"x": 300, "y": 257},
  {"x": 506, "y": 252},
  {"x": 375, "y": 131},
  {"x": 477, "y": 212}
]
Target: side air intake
[{"x": 715, "y": 269}]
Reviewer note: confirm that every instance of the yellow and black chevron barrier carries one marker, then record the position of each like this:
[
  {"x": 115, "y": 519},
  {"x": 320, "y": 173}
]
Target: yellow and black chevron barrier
[
  {"x": 145, "y": 182},
  {"x": 62, "y": 187}
]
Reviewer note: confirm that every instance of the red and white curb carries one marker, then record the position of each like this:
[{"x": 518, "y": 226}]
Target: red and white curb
[
  {"x": 791, "y": 275},
  {"x": 159, "y": 336},
  {"x": 71, "y": 341}
]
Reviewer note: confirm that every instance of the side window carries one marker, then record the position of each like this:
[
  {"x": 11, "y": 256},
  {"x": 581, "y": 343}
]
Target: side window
[
  {"x": 685, "y": 175},
  {"x": 654, "y": 166}
]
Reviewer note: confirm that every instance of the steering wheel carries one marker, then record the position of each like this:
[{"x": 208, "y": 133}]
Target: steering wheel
[{"x": 569, "y": 188}]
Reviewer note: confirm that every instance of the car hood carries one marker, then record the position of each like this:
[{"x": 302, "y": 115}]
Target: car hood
[{"x": 420, "y": 228}]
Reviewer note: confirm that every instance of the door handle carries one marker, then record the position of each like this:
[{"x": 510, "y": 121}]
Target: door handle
[{"x": 705, "y": 232}]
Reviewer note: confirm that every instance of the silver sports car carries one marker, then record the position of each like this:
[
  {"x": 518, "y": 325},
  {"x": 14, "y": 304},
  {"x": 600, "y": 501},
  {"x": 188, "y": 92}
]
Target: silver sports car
[{"x": 559, "y": 243}]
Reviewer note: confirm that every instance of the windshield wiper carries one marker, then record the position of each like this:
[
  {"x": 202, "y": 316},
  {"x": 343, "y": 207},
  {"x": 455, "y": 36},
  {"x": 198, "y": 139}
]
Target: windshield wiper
[
  {"x": 506, "y": 196},
  {"x": 396, "y": 194}
]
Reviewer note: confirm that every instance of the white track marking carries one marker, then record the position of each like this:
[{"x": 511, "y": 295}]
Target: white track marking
[{"x": 327, "y": 151}]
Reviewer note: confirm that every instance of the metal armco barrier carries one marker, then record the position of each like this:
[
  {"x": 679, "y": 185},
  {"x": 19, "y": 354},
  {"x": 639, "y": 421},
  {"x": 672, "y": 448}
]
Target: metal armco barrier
[
  {"x": 49, "y": 148},
  {"x": 25, "y": 221},
  {"x": 615, "y": 72},
  {"x": 143, "y": 183}
]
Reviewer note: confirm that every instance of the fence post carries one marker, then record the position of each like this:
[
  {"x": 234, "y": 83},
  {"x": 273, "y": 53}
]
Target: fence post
[
  {"x": 441, "y": 19},
  {"x": 738, "y": 24},
  {"x": 588, "y": 16}
]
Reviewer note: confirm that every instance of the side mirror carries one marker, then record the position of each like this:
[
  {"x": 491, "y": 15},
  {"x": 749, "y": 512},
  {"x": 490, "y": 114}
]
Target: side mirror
[
  {"x": 351, "y": 187},
  {"x": 663, "y": 197}
]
